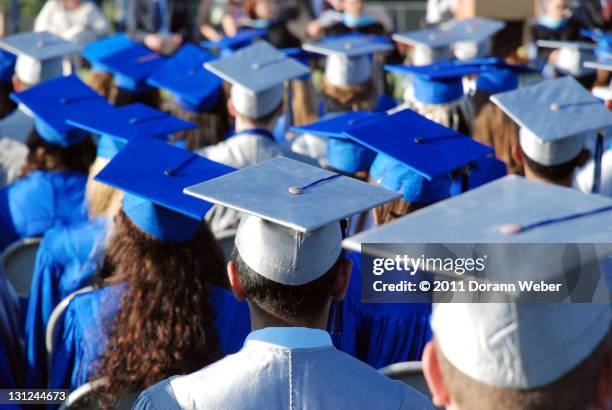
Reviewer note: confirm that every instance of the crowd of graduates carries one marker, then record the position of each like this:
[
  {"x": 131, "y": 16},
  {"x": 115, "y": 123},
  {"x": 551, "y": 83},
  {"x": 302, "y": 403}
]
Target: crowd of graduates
[{"x": 201, "y": 206}]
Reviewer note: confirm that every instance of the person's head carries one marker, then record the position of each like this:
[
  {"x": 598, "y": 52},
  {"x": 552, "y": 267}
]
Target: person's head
[
  {"x": 355, "y": 97},
  {"x": 6, "y": 104},
  {"x": 494, "y": 128},
  {"x": 46, "y": 156},
  {"x": 553, "y": 162},
  {"x": 100, "y": 82},
  {"x": 165, "y": 323},
  {"x": 554, "y": 9},
  {"x": 72, "y": 4},
  {"x": 120, "y": 96},
  {"x": 354, "y": 8},
  {"x": 262, "y": 9},
  {"x": 102, "y": 200},
  {"x": 212, "y": 124},
  {"x": 520, "y": 356},
  {"x": 261, "y": 110}
]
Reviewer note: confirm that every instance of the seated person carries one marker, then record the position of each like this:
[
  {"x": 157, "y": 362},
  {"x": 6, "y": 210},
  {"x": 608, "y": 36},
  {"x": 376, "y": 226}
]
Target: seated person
[
  {"x": 158, "y": 250},
  {"x": 290, "y": 268}
]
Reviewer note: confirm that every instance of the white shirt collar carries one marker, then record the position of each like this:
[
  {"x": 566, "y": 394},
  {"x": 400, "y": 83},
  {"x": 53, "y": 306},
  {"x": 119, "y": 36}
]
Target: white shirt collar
[{"x": 289, "y": 337}]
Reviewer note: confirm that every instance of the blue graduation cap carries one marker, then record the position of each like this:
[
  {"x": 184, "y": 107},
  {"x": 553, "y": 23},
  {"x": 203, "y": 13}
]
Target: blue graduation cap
[
  {"x": 193, "y": 87},
  {"x": 231, "y": 43},
  {"x": 104, "y": 47},
  {"x": 343, "y": 154},
  {"x": 119, "y": 125},
  {"x": 499, "y": 78},
  {"x": 603, "y": 50},
  {"x": 7, "y": 66},
  {"x": 439, "y": 83},
  {"x": 53, "y": 101},
  {"x": 153, "y": 175},
  {"x": 132, "y": 66},
  {"x": 417, "y": 160}
]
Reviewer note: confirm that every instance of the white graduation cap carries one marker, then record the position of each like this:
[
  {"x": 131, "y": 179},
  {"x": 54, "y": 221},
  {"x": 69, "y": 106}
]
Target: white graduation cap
[
  {"x": 572, "y": 55},
  {"x": 430, "y": 45},
  {"x": 257, "y": 74},
  {"x": 39, "y": 55},
  {"x": 291, "y": 234},
  {"x": 598, "y": 65},
  {"x": 475, "y": 34},
  {"x": 348, "y": 57},
  {"x": 555, "y": 117}
]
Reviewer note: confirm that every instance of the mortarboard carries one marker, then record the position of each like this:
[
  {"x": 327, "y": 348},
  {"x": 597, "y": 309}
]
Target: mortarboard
[
  {"x": 7, "y": 66},
  {"x": 231, "y": 43},
  {"x": 153, "y": 174},
  {"x": 104, "y": 47},
  {"x": 475, "y": 34},
  {"x": 597, "y": 65},
  {"x": 257, "y": 74},
  {"x": 119, "y": 125},
  {"x": 603, "y": 50},
  {"x": 343, "y": 154},
  {"x": 465, "y": 331},
  {"x": 132, "y": 66},
  {"x": 430, "y": 45},
  {"x": 39, "y": 55},
  {"x": 349, "y": 57},
  {"x": 291, "y": 234},
  {"x": 53, "y": 101},
  {"x": 572, "y": 55},
  {"x": 417, "y": 161},
  {"x": 193, "y": 87},
  {"x": 499, "y": 78},
  {"x": 439, "y": 83},
  {"x": 552, "y": 116}
]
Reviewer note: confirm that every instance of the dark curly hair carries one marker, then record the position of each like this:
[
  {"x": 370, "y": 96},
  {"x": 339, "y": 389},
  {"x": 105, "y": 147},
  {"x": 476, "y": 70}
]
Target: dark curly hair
[
  {"x": 43, "y": 156},
  {"x": 165, "y": 323}
]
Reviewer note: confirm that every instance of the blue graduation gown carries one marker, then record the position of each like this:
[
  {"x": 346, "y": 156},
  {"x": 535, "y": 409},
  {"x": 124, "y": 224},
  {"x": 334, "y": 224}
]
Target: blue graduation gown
[
  {"x": 89, "y": 316},
  {"x": 381, "y": 334},
  {"x": 66, "y": 261},
  {"x": 32, "y": 205},
  {"x": 11, "y": 346}
]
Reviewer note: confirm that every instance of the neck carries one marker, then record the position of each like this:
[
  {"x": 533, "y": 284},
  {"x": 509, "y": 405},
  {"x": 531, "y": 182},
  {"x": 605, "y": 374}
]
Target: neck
[
  {"x": 566, "y": 182},
  {"x": 243, "y": 124},
  {"x": 261, "y": 319}
]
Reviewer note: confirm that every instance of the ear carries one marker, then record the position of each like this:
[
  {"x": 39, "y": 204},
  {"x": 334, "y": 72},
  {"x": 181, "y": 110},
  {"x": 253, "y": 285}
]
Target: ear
[
  {"x": 16, "y": 83},
  {"x": 603, "y": 392},
  {"x": 431, "y": 370},
  {"x": 231, "y": 110},
  {"x": 234, "y": 279},
  {"x": 343, "y": 279},
  {"x": 583, "y": 157},
  {"x": 517, "y": 154}
]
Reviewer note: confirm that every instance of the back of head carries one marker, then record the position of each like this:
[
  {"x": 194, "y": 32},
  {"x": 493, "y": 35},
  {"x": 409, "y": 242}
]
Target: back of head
[
  {"x": 102, "y": 200},
  {"x": 212, "y": 124}
]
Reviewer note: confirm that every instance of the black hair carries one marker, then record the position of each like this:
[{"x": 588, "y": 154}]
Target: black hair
[
  {"x": 77, "y": 157},
  {"x": 289, "y": 302},
  {"x": 552, "y": 172}
]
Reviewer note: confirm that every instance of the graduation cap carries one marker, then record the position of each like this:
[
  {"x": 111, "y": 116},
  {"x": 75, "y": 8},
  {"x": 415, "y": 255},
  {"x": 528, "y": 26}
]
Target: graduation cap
[
  {"x": 572, "y": 55},
  {"x": 257, "y": 74},
  {"x": 501, "y": 77},
  {"x": 343, "y": 154},
  {"x": 475, "y": 37},
  {"x": 439, "y": 83},
  {"x": 153, "y": 174},
  {"x": 132, "y": 66},
  {"x": 119, "y": 125},
  {"x": 349, "y": 57},
  {"x": 40, "y": 55},
  {"x": 430, "y": 45},
  {"x": 193, "y": 87},
  {"x": 104, "y": 47},
  {"x": 53, "y": 101},
  {"x": 291, "y": 234},
  {"x": 232, "y": 43},
  {"x": 552, "y": 116},
  {"x": 603, "y": 50},
  {"x": 597, "y": 65},
  {"x": 7, "y": 66},
  {"x": 417, "y": 161}
]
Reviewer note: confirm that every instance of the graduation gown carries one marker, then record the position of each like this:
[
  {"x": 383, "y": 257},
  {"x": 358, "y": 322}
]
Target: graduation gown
[
  {"x": 11, "y": 346},
  {"x": 381, "y": 334},
  {"x": 42, "y": 200},
  {"x": 66, "y": 261},
  {"x": 284, "y": 368},
  {"x": 83, "y": 335}
]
